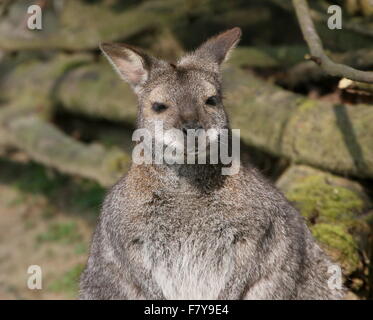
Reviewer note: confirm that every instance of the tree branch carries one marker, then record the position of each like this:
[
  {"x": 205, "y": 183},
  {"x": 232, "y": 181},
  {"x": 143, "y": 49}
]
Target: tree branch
[{"x": 317, "y": 51}]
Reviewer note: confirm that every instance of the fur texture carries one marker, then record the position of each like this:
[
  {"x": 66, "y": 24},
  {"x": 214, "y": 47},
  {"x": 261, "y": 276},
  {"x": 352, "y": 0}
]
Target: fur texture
[{"x": 186, "y": 231}]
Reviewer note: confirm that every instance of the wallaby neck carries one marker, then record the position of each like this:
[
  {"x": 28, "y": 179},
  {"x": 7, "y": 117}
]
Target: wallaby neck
[{"x": 199, "y": 177}]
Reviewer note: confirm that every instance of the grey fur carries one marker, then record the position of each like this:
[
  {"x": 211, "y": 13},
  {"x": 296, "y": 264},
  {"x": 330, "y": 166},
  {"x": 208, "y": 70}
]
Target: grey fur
[{"x": 186, "y": 231}]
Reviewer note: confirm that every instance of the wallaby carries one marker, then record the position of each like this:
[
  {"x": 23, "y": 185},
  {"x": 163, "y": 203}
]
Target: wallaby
[{"x": 185, "y": 231}]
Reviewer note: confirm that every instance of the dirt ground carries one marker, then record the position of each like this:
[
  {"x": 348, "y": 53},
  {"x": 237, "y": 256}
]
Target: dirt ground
[{"x": 43, "y": 222}]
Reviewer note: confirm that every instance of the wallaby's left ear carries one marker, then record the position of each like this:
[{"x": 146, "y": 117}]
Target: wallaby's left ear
[{"x": 218, "y": 48}]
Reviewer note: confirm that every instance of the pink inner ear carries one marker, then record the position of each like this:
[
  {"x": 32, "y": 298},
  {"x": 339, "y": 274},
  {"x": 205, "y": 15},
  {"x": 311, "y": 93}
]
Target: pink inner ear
[
  {"x": 131, "y": 70},
  {"x": 136, "y": 76}
]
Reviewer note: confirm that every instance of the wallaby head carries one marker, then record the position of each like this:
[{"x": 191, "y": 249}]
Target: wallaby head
[{"x": 185, "y": 95}]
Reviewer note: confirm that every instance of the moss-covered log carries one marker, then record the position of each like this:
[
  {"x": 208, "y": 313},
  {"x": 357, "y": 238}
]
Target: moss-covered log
[
  {"x": 25, "y": 129},
  {"x": 31, "y": 81},
  {"x": 95, "y": 90},
  {"x": 332, "y": 137},
  {"x": 80, "y": 25},
  {"x": 268, "y": 57},
  {"x": 336, "y": 210}
]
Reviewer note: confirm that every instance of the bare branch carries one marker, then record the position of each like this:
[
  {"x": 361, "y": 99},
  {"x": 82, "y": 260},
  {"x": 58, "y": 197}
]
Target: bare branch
[{"x": 317, "y": 51}]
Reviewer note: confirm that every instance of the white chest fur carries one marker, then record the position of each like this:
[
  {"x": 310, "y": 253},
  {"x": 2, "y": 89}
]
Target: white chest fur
[{"x": 189, "y": 269}]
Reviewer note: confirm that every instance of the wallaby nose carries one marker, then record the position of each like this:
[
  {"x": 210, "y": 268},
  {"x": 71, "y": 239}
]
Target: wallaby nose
[{"x": 195, "y": 125}]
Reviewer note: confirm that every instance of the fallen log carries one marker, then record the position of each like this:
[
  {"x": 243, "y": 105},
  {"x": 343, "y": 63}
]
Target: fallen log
[
  {"x": 268, "y": 57},
  {"x": 81, "y": 26},
  {"x": 334, "y": 137},
  {"x": 26, "y": 130},
  {"x": 32, "y": 81},
  {"x": 95, "y": 90},
  {"x": 329, "y": 136},
  {"x": 337, "y": 211}
]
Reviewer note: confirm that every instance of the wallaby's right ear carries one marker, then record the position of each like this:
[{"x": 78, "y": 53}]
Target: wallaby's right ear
[
  {"x": 212, "y": 53},
  {"x": 217, "y": 48},
  {"x": 131, "y": 64}
]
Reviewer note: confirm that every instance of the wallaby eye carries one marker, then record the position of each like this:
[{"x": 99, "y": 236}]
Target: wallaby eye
[
  {"x": 158, "y": 107},
  {"x": 212, "y": 101}
]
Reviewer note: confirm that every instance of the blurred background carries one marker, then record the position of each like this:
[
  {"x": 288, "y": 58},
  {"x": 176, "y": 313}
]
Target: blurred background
[{"x": 66, "y": 122}]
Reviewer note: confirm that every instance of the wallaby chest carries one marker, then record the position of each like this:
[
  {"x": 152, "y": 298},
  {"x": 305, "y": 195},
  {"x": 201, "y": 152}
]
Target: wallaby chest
[{"x": 188, "y": 247}]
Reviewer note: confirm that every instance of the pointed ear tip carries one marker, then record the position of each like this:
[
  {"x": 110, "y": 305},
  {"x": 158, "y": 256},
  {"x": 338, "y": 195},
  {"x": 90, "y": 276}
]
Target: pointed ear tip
[
  {"x": 108, "y": 45},
  {"x": 233, "y": 34},
  {"x": 113, "y": 48},
  {"x": 104, "y": 45},
  {"x": 236, "y": 31}
]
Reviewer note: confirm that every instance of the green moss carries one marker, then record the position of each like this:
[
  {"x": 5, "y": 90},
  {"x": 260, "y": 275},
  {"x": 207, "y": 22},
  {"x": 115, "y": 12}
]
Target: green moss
[
  {"x": 307, "y": 104},
  {"x": 368, "y": 218},
  {"x": 60, "y": 232},
  {"x": 332, "y": 214},
  {"x": 117, "y": 162},
  {"x": 339, "y": 244},
  {"x": 32, "y": 178},
  {"x": 88, "y": 195},
  {"x": 44, "y": 75},
  {"x": 81, "y": 248},
  {"x": 346, "y": 145},
  {"x": 254, "y": 56},
  {"x": 38, "y": 179},
  {"x": 321, "y": 202},
  {"x": 83, "y": 89},
  {"x": 68, "y": 283}
]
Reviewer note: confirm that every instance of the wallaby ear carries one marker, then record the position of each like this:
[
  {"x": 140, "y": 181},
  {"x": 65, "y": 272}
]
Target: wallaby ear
[
  {"x": 131, "y": 64},
  {"x": 213, "y": 52},
  {"x": 218, "y": 48}
]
